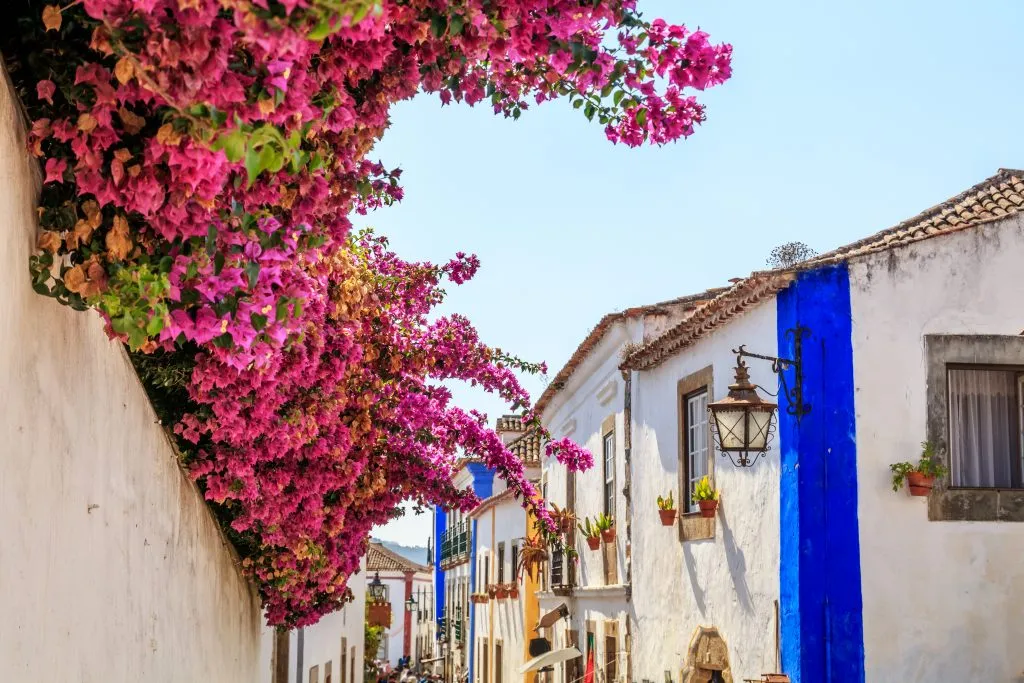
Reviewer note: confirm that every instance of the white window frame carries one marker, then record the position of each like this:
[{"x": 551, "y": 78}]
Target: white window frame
[
  {"x": 695, "y": 421},
  {"x": 608, "y": 457}
]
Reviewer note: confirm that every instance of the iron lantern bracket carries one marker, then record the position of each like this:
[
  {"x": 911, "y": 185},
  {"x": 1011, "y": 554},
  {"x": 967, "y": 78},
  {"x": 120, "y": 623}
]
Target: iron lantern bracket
[{"x": 794, "y": 395}]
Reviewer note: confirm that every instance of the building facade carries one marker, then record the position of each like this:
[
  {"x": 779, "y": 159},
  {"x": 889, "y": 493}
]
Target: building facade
[
  {"x": 393, "y": 581},
  {"x": 812, "y": 565},
  {"x": 584, "y": 402},
  {"x": 503, "y": 602}
]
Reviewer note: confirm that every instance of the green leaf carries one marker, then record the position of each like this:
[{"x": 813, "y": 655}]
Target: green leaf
[
  {"x": 321, "y": 30},
  {"x": 211, "y": 240},
  {"x": 438, "y": 24},
  {"x": 252, "y": 269},
  {"x": 218, "y": 263},
  {"x": 619, "y": 94},
  {"x": 641, "y": 118},
  {"x": 607, "y": 90},
  {"x": 155, "y": 324},
  {"x": 232, "y": 143},
  {"x": 457, "y": 22},
  {"x": 589, "y": 111},
  {"x": 258, "y": 321},
  {"x": 577, "y": 104}
]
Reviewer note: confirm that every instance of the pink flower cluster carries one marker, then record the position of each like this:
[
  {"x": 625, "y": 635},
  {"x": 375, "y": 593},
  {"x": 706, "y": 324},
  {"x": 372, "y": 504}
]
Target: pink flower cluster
[{"x": 224, "y": 143}]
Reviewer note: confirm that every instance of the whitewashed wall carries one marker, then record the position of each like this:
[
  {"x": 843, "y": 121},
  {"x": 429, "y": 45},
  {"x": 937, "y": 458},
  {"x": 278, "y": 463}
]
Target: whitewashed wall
[
  {"x": 593, "y": 393},
  {"x": 111, "y": 568},
  {"x": 942, "y": 600},
  {"x": 500, "y": 620},
  {"x": 731, "y": 581},
  {"x": 321, "y": 643},
  {"x": 395, "y": 581}
]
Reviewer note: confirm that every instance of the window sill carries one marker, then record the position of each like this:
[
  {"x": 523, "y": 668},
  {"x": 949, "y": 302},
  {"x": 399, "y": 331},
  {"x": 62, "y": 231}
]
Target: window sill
[
  {"x": 976, "y": 505},
  {"x": 614, "y": 590},
  {"x": 694, "y": 527}
]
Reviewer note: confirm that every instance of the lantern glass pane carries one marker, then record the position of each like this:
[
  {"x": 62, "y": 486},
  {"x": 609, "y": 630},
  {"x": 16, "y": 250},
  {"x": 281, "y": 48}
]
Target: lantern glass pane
[
  {"x": 760, "y": 424},
  {"x": 731, "y": 426}
]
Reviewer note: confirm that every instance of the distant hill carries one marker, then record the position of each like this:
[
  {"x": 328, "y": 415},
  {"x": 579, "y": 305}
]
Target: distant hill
[{"x": 416, "y": 553}]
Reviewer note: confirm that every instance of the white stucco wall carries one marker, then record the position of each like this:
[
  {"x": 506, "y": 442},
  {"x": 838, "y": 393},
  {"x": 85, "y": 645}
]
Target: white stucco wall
[
  {"x": 500, "y": 620},
  {"x": 395, "y": 581},
  {"x": 942, "y": 600},
  {"x": 592, "y": 395},
  {"x": 731, "y": 581},
  {"x": 322, "y": 642},
  {"x": 112, "y": 569}
]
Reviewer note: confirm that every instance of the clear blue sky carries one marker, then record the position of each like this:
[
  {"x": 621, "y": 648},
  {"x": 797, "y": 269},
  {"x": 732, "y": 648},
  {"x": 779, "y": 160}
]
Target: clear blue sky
[{"x": 841, "y": 119}]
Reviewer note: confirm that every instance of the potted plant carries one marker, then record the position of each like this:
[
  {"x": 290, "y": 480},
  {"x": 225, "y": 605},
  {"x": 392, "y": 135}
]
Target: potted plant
[
  {"x": 478, "y": 598},
  {"x": 706, "y": 498},
  {"x": 667, "y": 509},
  {"x": 512, "y": 590},
  {"x": 591, "y": 533},
  {"x": 563, "y": 518},
  {"x": 532, "y": 554},
  {"x": 920, "y": 478},
  {"x": 492, "y": 590},
  {"x": 606, "y": 525},
  {"x": 501, "y": 591}
]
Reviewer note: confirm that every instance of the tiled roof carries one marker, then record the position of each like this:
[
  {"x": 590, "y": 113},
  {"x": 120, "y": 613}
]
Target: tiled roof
[
  {"x": 509, "y": 423},
  {"x": 602, "y": 327},
  {"x": 995, "y": 198},
  {"x": 527, "y": 448},
  {"x": 380, "y": 559}
]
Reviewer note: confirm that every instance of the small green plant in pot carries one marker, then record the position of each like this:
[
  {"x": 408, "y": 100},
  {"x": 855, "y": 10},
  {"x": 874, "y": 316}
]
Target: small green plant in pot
[
  {"x": 606, "y": 525},
  {"x": 920, "y": 478},
  {"x": 706, "y": 497},
  {"x": 667, "y": 509},
  {"x": 591, "y": 533}
]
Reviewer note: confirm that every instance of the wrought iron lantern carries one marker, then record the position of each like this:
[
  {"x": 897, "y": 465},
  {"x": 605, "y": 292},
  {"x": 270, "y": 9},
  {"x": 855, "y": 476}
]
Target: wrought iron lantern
[
  {"x": 743, "y": 422},
  {"x": 410, "y": 604},
  {"x": 376, "y": 589}
]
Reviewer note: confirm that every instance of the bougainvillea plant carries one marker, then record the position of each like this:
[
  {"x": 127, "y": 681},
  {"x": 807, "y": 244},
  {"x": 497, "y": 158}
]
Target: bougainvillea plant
[{"x": 201, "y": 160}]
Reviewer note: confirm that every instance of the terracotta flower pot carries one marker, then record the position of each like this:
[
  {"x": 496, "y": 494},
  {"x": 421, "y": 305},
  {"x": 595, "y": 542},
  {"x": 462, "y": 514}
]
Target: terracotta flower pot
[
  {"x": 565, "y": 524},
  {"x": 513, "y": 593},
  {"x": 593, "y": 542},
  {"x": 707, "y": 508},
  {"x": 608, "y": 536},
  {"x": 501, "y": 593},
  {"x": 919, "y": 484},
  {"x": 668, "y": 517}
]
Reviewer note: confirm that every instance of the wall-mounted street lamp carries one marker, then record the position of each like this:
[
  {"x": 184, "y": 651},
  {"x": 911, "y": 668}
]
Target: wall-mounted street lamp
[
  {"x": 376, "y": 589},
  {"x": 744, "y": 422},
  {"x": 410, "y": 604}
]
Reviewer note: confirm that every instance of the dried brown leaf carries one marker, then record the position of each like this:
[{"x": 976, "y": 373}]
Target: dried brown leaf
[
  {"x": 119, "y": 243},
  {"x": 74, "y": 279},
  {"x": 49, "y": 241},
  {"x": 124, "y": 70},
  {"x": 131, "y": 121},
  {"x": 51, "y": 17},
  {"x": 87, "y": 122},
  {"x": 167, "y": 135}
]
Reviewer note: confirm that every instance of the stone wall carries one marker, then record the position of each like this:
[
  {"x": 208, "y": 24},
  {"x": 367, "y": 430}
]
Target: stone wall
[{"x": 112, "y": 568}]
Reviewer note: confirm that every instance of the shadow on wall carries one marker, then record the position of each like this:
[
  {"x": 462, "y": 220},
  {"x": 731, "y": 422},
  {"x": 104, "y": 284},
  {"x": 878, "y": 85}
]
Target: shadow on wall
[
  {"x": 690, "y": 563},
  {"x": 736, "y": 561}
]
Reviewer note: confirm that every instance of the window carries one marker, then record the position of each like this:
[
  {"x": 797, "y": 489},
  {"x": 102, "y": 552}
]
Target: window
[
  {"x": 314, "y": 674},
  {"x": 327, "y": 672},
  {"x": 487, "y": 571},
  {"x": 608, "y": 449},
  {"x": 343, "y": 660},
  {"x": 515, "y": 560},
  {"x": 695, "y": 426},
  {"x": 573, "y": 667},
  {"x": 557, "y": 566},
  {"x": 483, "y": 668},
  {"x": 985, "y": 417},
  {"x": 501, "y": 563},
  {"x": 611, "y": 651},
  {"x": 498, "y": 661}
]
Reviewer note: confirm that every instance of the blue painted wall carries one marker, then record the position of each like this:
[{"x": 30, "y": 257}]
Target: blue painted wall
[
  {"x": 820, "y": 591},
  {"x": 440, "y": 525},
  {"x": 483, "y": 479}
]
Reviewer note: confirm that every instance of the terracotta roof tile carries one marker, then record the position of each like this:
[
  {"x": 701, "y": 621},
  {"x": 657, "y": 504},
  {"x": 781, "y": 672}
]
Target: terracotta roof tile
[
  {"x": 527, "y": 448},
  {"x": 510, "y": 423},
  {"x": 380, "y": 559},
  {"x": 597, "y": 334},
  {"x": 995, "y": 198}
]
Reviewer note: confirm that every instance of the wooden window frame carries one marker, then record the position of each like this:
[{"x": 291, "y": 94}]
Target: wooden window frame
[
  {"x": 608, "y": 468},
  {"x": 501, "y": 562}
]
